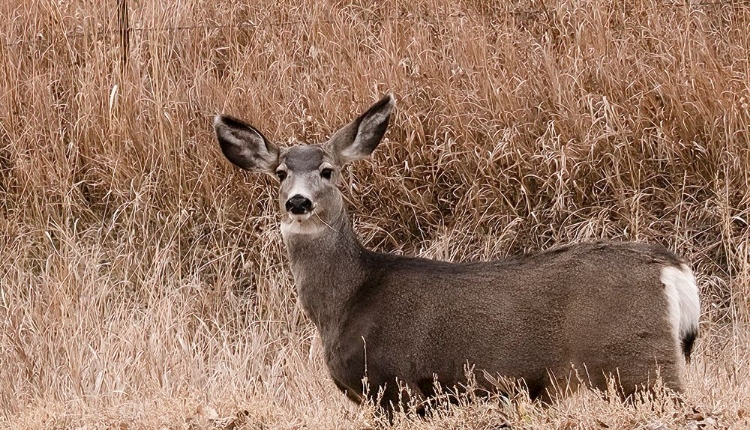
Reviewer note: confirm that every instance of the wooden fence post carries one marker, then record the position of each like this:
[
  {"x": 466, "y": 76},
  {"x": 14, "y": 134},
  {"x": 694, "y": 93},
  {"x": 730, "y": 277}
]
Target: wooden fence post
[{"x": 123, "y": 22}]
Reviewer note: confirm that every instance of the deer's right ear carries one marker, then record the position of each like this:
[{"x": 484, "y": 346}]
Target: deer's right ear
[{"x": 245, "y": 146}]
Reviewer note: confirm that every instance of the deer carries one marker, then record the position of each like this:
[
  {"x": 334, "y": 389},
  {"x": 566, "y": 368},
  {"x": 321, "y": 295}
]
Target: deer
[{"x": 574, "y": 315}]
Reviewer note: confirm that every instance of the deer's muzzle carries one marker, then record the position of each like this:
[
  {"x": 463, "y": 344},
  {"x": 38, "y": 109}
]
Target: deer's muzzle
[{"x": 298, "y": 205}]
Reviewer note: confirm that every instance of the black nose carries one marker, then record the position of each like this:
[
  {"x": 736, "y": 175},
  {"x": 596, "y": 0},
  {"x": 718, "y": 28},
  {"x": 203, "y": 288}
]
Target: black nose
[{"x": 298, "y": 205}]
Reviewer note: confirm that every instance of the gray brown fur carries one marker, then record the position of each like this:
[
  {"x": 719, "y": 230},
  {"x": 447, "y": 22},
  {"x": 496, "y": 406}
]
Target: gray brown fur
[{"x": 599, "y": 308}]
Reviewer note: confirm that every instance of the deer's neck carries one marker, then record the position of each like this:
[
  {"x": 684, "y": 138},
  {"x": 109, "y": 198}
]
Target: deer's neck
[{"x": 328, "y": 268}]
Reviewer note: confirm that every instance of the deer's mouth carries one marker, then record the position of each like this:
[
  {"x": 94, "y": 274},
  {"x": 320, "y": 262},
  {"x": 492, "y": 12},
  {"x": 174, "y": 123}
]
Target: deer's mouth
[{"x": 294, "y": 217}]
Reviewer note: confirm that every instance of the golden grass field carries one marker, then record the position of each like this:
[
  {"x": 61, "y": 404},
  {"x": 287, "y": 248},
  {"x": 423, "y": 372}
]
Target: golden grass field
[{"x": 143, "y": 282}]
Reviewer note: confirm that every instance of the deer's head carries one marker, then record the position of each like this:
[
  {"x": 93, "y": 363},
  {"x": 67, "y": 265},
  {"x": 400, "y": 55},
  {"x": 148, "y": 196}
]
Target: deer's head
[{"x": 308, "y": 174}]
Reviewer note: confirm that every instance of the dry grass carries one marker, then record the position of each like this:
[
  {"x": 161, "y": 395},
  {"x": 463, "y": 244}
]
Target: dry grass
[{"x": 144, "y": 284}]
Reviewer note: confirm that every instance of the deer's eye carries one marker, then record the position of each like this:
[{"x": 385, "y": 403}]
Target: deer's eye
[
  {"x": 326, "y": 173},
  {"x": 281, "y": 174}
]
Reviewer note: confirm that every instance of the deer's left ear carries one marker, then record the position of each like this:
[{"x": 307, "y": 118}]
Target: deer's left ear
[
  {"x": 245, "y": 146},
  {"x": 360, "y": 137}
]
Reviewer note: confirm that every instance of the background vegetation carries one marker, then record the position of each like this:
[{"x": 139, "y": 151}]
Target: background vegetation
[{"x": 143, "y": 282}]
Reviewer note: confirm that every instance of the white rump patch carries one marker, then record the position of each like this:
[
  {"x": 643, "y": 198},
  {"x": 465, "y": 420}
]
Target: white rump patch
[{"x": 684, "y": 303}]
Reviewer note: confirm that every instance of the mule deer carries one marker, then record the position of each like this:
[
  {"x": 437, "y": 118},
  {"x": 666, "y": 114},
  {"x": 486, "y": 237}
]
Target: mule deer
[{"x": 601, "y": 309}]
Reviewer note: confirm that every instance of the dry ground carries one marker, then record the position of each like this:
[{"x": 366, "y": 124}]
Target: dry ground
[{"x": 143, "y": 283}]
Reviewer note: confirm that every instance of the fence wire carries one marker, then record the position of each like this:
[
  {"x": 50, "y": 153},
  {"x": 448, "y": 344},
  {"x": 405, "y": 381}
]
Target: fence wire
[{"x": 126, "y": 30}]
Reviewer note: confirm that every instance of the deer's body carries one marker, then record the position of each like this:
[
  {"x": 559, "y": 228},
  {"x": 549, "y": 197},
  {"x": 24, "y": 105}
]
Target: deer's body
[{"x": 576, "y": 313}]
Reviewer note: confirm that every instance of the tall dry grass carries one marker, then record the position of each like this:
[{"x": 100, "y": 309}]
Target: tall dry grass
[{"x": 143, "y": 282}]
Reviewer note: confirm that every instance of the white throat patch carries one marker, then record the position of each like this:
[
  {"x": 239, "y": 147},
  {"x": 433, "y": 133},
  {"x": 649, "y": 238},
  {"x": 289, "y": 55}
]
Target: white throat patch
[{"x": 307, "y": 227}]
